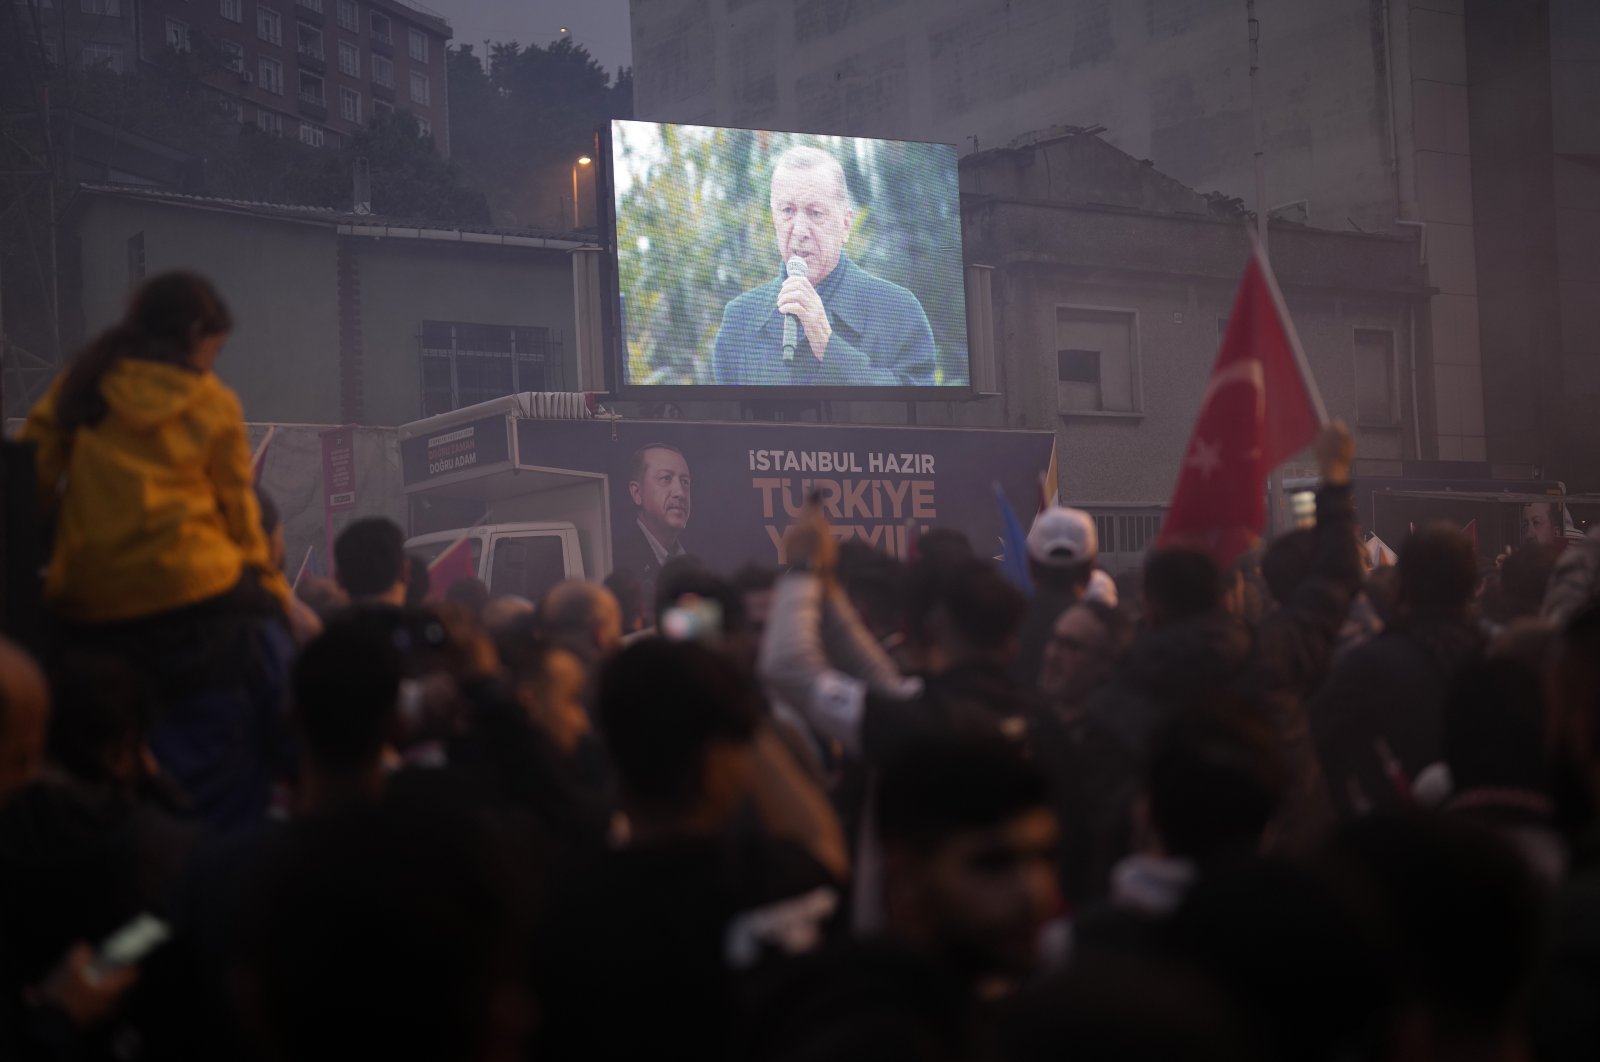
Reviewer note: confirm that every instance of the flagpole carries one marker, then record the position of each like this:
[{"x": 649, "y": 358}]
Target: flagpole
[{"x": 1274, "y": 477}]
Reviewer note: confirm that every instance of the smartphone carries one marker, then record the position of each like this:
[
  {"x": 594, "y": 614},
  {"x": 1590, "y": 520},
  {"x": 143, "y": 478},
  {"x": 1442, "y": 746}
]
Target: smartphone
[
  {"x": 131, "y": 943},
  {"x": 693, "y": 619}
]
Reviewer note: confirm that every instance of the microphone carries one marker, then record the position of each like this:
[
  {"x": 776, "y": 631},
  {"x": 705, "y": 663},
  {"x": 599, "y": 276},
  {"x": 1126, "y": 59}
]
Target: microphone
[{"x": 796, "y": 268}]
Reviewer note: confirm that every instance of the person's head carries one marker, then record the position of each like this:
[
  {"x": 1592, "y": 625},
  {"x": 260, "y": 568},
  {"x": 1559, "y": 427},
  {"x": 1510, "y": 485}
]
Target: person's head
[
  {"x": 24, "y": 717},
  {"x": 1180, "y": 584},
  {"x": 1085, "y": 645},
  {"x": 943, "y": 545},
  {"x": 1062, "y": 547},
  {"x": 177, "y": 318},
  {"x": 1214, "y": 781},
  {"x": 811, "y": 209},
  {"x": 974, "y": 614},
  {"x": 471, "y": 594},
  {"x": 875, "y": 583},
  {"x": 1542, "y": 523},
  {"x": 323, "y": 596},
  {"x": 628, "y": 589},
  {"x": 756, "y": 585},
  {"x": 388, "y": 931},
  {"x": 500, "y": 613},
  {"x": 419, "y": 581},
  {"x": 346, "y": 687},
  {"x": 1523, "y": 577},
  {"x": 1288, "y": 562},
  {"x": 658, "y": 483},
  {"x": 548, "y": 682},
  {"x": 101, "y": 710},
  {"x": 686, "y": 583},
  {"x": 583, "y": 618},
  {"x": 369, "y": 559},
  {"x": 969, "y": 846},
  {"x": 1460, "y": 918},
  {"x": 272, "y": 527},
  {"x": 1437, "y": 573},
  {"x": 679, "y": 719}
]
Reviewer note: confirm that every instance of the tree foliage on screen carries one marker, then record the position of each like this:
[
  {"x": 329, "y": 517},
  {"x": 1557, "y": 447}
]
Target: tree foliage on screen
[{"x": 695, "y": 230}]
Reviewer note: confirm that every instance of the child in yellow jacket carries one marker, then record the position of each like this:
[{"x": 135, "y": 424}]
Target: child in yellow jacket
[
  {"x": 142, "y": 453},
  {"x": 159, "y": 557}
]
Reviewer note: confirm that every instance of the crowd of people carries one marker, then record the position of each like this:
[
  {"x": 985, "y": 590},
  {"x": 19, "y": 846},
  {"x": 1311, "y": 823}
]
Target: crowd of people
[{"x": 861, "y": 808}]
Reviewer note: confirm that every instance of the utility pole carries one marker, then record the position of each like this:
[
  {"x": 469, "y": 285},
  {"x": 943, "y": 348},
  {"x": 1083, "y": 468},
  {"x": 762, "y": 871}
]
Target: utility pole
[{"x": 1275, "y": 521}]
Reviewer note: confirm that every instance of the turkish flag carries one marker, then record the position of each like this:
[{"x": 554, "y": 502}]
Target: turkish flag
[
  {"x": 450, "y": 567},
  {"x": 1260, "y": 408}
]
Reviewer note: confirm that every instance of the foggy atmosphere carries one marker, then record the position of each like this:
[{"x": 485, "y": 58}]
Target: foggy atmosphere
[{"x": 782, "y": 530}]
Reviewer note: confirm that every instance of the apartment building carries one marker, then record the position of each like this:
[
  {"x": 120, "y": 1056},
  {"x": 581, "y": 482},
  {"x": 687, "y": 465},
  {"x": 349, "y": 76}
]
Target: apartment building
[{"x": 316, "y": 70}]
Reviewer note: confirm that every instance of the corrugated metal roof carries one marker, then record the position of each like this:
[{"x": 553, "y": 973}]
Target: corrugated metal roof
[{"x": 394, "y": 226}]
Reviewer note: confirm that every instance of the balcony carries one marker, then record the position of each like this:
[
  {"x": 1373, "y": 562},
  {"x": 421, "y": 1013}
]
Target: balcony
[
  {"x": 383, "y": 46},
  {"x": 383, "y": 92},
  {"x": 311, "y": 107},
  {"x": 311, "y": 16},
  {"x": 312, "y": 61}
]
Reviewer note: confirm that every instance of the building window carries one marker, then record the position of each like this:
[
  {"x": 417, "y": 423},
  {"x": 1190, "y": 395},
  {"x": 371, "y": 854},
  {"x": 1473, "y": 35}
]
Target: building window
[
  {"x": 419, "y": 46},
  {"x": 350, "y": 105},
  {"x": 269, "y": 122},
  {"x": 311, "y": 5},
  {"x": 424, "y": 127},
  {"x": 106, "y": 55},
  {"x": 310, "y": 135},
  {"x": 271, "y": 76},
  {"x": 98, "y": 7},
  {"x": 269, "y": 26},
  {"x": 1096, "y": 361},
  {"x": 419, "y": 88},
  {"x": 232, "y": 56},
  {"x": 466, "y": 363},
  {"x": 177, "y": 35},
  {"x": 381, "y": 28},
  {"x": 233, "y": 10},
  {"x": 311, "y": 88},
  {"x": 383, "y": 71},
  {"x": 349, "y": 59},
  {"x": 308, "y": 40},
  {"x": 1375, "y": 387},
  {"x": 382, "y": 109},
  {"x": 348, "y": 17},
  {"x": 135, "y": 258},
  {"x": 232, "y": 108}
]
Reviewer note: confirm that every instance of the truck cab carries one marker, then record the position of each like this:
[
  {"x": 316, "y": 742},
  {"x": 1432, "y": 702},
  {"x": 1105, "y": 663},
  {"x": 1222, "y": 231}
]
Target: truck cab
[{"x": 521, "y": 559}]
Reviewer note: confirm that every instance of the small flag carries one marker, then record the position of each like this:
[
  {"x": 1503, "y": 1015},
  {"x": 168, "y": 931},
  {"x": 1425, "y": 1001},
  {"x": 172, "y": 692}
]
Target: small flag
[
  {"x": 1260, "y": 408},
  {"x": 1014, "y": 541},
  {"x": 1379, "y": 555},
  {"x": 258, "y": 460},
  {"x": 451, "y": 566},
  {"x": 1050, "y": 485},
  {"x": 1471, "y": 531}
]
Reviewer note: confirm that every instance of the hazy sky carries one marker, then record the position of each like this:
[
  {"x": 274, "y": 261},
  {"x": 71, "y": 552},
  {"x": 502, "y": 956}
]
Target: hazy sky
[{"x": 599, "y": 25}]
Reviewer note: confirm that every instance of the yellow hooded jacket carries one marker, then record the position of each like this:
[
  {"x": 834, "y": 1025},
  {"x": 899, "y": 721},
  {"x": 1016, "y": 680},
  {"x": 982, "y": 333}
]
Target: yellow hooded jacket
[{"x": 157, "y": 501}]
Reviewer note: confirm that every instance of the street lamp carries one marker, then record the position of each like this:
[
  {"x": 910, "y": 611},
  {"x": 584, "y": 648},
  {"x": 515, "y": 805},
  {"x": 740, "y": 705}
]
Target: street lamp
[{"x": 583, "y": 160}]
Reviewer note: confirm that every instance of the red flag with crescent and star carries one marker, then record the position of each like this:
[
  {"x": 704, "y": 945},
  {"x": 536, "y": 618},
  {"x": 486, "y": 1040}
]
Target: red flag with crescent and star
[{"x": 1260, "y": 408}]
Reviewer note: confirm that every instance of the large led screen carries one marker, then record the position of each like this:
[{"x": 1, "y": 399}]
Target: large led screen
[{"x": 759, "y": 260}]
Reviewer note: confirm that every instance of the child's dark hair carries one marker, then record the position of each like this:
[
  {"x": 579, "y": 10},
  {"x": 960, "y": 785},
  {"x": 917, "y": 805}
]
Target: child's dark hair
[{"x": 164, "y": 318}]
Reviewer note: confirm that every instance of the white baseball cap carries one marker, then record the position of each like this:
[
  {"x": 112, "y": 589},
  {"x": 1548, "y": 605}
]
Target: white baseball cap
[{"x": 1061, "y": 537}]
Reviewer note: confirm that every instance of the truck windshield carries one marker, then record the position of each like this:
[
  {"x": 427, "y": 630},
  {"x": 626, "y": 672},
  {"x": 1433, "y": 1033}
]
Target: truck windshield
[
  {"x": 430, "y": 551},
  {"x": 526, "y": 565}
]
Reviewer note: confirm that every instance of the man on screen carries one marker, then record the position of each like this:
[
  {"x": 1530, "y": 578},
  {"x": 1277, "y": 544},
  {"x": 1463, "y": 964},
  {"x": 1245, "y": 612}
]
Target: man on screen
[
  {"x": 658, "y": 483},
  {"x": 854, "y": 329}
]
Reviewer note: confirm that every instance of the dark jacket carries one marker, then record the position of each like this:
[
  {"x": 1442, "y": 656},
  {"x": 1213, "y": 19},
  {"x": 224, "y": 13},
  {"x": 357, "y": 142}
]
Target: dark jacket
[
  {"x": 881, "y": 337},
  {"x": 1387, "y": 694},
  {"x": 1168, "y": 669},
  {"x": 1044, "y": 608}
]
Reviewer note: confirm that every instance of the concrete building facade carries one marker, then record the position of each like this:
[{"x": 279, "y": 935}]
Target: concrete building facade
[
  {"x": 315, "y": 70},
  {"x": 1374, "y": 117},
  {"x": 344, "y": 318}
]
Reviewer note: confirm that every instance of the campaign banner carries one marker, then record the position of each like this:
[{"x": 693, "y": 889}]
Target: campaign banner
[
  {"x": 464, "y": 448},
  {"x": 338, "y": 469},
  {"x": 726, "y": 493}
]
